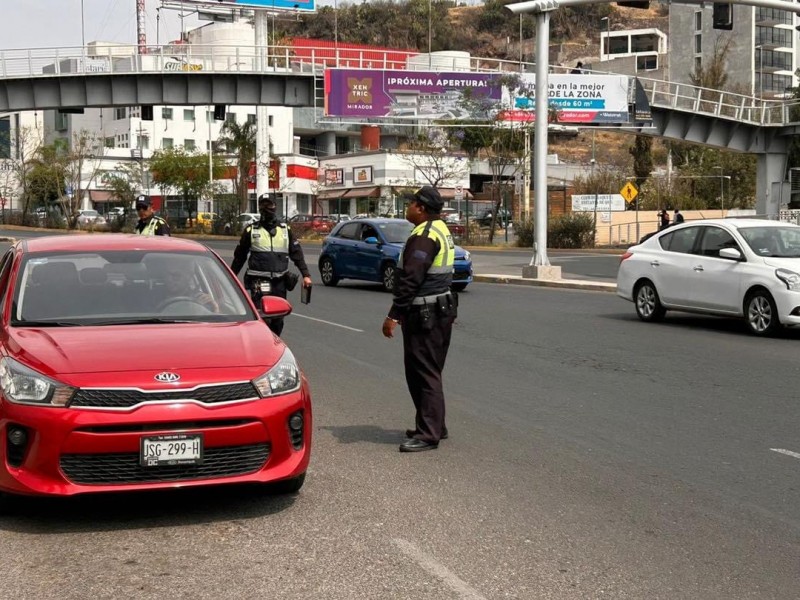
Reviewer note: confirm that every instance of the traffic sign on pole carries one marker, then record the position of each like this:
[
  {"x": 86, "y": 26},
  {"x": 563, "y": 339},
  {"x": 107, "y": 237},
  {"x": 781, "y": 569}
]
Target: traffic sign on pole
[{"x": 629, "y": 192}]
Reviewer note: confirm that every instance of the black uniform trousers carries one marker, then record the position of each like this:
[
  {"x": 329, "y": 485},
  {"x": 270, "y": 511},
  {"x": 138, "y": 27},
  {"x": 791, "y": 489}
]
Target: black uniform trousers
[
  {"x": 277, "y": 288},
  {"x": 424, "y": 355}
]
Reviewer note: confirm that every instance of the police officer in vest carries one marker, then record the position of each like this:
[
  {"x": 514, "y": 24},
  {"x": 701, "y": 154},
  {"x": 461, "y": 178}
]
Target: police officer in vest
[
  {"x": 425, "y": 309},
  {"x": 149, "y": 224},
  {"x": 270, "y": 245}
]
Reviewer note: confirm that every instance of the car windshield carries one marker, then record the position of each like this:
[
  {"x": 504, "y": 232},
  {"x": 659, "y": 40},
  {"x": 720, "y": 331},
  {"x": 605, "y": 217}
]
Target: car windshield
[
  {"x": 781, "y": 242},
  {"x": 396, "y": 233},
  {"x": 112, "y": 288}
]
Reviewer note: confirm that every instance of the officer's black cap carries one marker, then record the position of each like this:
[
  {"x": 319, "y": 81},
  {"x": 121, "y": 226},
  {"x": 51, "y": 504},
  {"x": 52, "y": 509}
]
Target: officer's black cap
[
  {"x": 266, "y": 199},
  {"x": 430, "y": 197},
  {"x": 144, "y": 201}
]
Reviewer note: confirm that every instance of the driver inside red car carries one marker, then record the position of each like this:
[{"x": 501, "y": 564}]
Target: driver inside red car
[{"x": 179, "y": 283}]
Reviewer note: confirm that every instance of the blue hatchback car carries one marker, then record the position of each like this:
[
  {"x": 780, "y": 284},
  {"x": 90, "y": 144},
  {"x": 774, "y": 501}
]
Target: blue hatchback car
[{"x": 369, "y": 249}]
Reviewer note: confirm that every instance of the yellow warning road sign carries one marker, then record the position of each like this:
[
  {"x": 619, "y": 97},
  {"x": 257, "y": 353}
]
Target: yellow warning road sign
[{"x": 629, "y": 192}]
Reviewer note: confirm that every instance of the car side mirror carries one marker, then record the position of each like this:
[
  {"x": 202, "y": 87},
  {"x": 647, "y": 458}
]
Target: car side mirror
[
  {"x": 731, "y": 254},
  {"x": 371, "y": 240},
  {"x": 274, "y": 307}
]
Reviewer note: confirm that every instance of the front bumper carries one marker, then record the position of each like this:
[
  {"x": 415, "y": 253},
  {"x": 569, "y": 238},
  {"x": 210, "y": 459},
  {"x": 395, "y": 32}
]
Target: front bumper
[
  {"x": 462, "y": 272},
  {"x": 74, "y": 451}
]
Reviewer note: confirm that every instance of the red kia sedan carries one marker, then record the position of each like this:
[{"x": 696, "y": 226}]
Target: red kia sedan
[{"x": 140, "y": 363}]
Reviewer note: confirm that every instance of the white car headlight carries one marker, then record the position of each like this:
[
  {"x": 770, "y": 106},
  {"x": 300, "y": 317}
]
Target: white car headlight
[
  {"x": 466, "y": 254},
  {"x": 23, "y": 385},
  {"x": 283, "y": 378},
  {"x": 790, "y": 278}
]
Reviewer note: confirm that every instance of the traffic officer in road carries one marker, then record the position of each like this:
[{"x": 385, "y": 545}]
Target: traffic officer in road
[
  {"x": 149, "y": 223},
  {"x": 270, "y": 245},
  {"x": 425, "y": 308}
]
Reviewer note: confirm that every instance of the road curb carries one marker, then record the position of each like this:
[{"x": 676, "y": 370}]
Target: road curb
[{"x": 575, "y": 284}]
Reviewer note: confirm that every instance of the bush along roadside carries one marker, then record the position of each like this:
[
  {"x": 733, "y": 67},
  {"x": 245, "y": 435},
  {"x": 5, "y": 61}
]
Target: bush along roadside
[{"x": 571, "y": 230}]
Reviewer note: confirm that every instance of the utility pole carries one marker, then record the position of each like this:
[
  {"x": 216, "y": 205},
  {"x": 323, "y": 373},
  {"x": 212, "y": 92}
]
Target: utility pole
[
  {"x": 209, "y": 118},
  {"x": 594, "y": 183},
  {"x": 262, "y": 114}
]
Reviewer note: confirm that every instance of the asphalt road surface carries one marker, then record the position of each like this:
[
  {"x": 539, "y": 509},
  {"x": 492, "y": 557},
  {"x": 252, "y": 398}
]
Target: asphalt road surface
[{"x": 590, "y": 456}]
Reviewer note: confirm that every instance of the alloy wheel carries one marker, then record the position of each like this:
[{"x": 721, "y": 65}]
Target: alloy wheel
[{"x": 759, "y": 314}]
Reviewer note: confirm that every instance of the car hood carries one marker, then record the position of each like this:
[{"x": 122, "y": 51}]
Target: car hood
[
  {"x": 793, "y": 264},
  {"x": 124, "y": 348}
]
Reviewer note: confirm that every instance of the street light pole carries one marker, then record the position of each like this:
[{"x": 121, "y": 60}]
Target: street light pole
[
  {"x": 83, "y": 28},
  {"x": 721, "y": 188}
]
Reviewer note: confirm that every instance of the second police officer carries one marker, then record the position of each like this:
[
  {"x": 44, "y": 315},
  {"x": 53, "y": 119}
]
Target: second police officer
[
  {"x": 270, "y": 244},
  {"x": 425, "y": 309},
  {"x": 149, "y": 223}
]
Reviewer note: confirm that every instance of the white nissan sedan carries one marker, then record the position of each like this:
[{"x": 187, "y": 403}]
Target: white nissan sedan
[{"x": 731, "y": 267}]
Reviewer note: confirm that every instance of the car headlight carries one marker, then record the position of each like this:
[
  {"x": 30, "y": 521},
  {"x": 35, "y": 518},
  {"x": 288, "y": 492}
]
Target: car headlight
[
  {"x": 466, "y": 255},
  {"x": 283, "y": 378},
  {"x": 23, "y": 385},
  {"x": 790, "y": 278}
]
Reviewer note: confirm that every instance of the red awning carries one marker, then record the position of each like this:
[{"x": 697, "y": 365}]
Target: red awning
[
  {"x": 365, "y": 192},
  {"x": 330, "y": 194}
]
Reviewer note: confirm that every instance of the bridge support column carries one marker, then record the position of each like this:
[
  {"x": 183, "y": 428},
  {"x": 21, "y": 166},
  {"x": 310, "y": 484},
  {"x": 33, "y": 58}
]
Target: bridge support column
[{"x": 770, "y": 174}]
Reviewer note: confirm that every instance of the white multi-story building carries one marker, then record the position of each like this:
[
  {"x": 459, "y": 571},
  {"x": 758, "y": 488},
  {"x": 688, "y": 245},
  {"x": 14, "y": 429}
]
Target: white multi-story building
[{"x": 760, "y": 53}]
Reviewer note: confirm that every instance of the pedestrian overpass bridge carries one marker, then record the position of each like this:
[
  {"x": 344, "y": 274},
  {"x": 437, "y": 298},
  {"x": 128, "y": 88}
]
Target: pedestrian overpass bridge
[{"x": 116, "y": 76}]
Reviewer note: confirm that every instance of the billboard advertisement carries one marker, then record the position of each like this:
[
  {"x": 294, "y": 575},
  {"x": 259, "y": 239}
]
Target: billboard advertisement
[
  {"x": 404, "y": 94},
  {"x": 579, "y": 99},
  {"x": 299, "y": 5}
]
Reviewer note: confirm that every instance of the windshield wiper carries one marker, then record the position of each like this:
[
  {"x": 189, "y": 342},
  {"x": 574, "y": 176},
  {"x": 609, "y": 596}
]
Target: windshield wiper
[
  {"x": 45, "y": 324},
  {"x": 142, "y": 321}
]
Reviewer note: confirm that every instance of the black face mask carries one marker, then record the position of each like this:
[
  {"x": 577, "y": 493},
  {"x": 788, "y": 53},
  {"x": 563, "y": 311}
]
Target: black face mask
[{"x": 268, "y": 214}]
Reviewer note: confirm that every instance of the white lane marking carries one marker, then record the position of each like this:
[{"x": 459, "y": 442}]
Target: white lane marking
[
  {"x": 436, "y": 569},
  {"x": 329, "y": 323},
  {"x": 786, "y": 452}
]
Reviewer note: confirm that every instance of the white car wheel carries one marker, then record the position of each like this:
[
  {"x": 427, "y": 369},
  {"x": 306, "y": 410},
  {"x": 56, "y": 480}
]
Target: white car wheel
[
  {"x": 761, "y": 313},
  {"x": 648, "y": 304}
]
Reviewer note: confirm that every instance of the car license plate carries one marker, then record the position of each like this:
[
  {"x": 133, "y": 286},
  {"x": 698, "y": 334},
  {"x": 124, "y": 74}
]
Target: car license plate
[{"x": 170, "y": 450}]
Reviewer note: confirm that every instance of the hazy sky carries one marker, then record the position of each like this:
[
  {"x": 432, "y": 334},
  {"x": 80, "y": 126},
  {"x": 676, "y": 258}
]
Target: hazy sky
[{"x": 57, "y": 23}]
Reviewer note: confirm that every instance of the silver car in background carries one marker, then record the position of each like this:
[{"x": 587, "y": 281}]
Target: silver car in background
[{"x": 747, "y": 268}]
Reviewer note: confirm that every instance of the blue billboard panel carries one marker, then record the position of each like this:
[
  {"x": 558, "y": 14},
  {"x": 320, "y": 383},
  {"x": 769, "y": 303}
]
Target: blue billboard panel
[{"x": 298, "y": 5}]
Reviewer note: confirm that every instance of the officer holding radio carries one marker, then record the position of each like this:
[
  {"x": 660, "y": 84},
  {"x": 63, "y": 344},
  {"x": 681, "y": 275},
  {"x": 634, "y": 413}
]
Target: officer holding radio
[
  {"x": 425, "y": 308},
  {"x": 270, "y": 245}
]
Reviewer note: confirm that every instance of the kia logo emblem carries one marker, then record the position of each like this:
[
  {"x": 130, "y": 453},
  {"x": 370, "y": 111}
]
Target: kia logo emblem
[{"x": 167, "y": 377}]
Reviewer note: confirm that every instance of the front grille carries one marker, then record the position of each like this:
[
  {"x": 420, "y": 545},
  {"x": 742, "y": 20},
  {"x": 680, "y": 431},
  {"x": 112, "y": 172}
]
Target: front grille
[
  {"x": 113, "y": 398},
  {"x": 124, "y": 468}
]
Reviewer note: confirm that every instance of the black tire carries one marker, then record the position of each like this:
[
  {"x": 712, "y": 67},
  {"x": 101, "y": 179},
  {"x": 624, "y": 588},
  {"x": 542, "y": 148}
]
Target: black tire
[
  {"x": 288, "y": 486},
  {"x": 761, "y": 314},
  {"x": 387, "y": 277},
  {"x": 8, "y": 503},
  {"x": 648, "y": 304},
  {"x": 327, "y": 272},
  {"x": 458, "y": 287}
]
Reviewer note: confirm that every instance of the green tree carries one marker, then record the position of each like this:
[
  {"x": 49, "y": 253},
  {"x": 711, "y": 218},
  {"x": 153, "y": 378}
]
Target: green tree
[
  {"x": 642, "y": 158},
  {"x": 241, "y": 141},
  {"x": 185, "y": 172}
]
